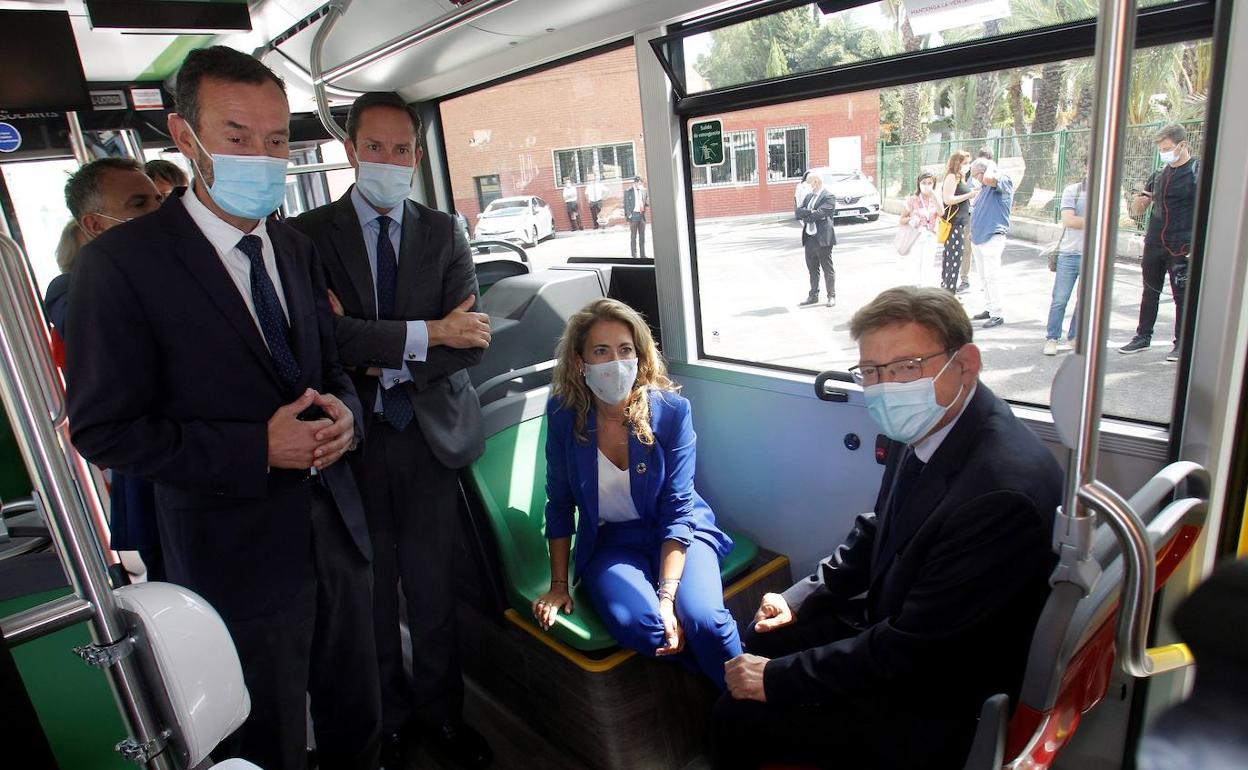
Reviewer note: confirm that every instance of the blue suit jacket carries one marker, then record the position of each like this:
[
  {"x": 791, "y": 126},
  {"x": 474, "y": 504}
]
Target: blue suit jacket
[{"x": 661, "y": 476}]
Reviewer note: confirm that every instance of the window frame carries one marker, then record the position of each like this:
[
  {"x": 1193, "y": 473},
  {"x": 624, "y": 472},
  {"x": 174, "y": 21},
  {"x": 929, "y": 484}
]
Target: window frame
[
  {"x": 597, "y": 150},
  {"x": 784, "y": 144}
]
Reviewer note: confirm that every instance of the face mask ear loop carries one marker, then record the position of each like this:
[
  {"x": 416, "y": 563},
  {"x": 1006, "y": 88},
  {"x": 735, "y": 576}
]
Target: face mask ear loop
[{"x": 195, "y": 161}]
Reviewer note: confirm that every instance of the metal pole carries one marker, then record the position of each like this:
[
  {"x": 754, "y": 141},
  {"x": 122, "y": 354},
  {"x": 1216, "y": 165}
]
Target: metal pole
[
  {"x": 76, "y": 142},
  {"x": 55, "y": 491},
  {"x": 1115, "y": 37},
  {"x": 333, "y": 13},
  {"x": 444, "y": 23}
]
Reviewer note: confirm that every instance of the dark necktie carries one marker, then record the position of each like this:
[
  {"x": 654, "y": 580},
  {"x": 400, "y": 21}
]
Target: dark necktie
[
  {"x": 269, "y": 312},
  {"x": 394, "y": 402},
  {"x": 903, "y": 485}
]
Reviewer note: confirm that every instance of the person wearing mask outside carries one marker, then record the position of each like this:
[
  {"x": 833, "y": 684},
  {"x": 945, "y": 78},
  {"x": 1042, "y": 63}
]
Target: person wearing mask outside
[
  {"x": 922, "y": 211},
  {"x": 571, "y": 204},
  {"x": 1069, "y": 258},
  {"x": 955, "y": 195}
]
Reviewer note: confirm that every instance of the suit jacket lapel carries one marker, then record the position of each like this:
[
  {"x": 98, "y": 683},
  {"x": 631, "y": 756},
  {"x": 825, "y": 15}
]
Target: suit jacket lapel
[
  {"x": 348, "y": 239},
  {"x": 413, "y": 250},
  {"x": 639, "y": 471},
  {"x": 932, "y": 483},
  {"x": 587, "y": 464},
  {"x": 205, "y": 267}
]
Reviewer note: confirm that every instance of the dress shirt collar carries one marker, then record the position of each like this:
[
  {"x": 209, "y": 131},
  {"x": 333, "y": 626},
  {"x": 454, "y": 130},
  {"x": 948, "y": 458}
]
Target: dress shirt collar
[
  {"x": 367, "y": 214},
  {"x": 927, "y": 447},
  {"x": 223, "y": 236}
]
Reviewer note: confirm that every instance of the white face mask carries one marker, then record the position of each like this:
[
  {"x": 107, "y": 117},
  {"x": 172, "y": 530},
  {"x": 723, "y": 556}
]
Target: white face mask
[
  {"x": 965, "y": 168},
  {"x": 926, "y": 189},
  {"x": 906, "y": 411},
  {"x": 612, "y": 381},
  {"x": 1169, "y": 156}
]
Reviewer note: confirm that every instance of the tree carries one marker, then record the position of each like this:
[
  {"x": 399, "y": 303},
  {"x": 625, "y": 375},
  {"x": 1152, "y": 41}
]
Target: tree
[
  {"x": 777, "y": 66},
  {"x": 986, "y": 90}
]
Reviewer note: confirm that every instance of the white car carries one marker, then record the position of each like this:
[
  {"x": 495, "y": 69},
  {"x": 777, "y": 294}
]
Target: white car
[
  {"x": 855, "y": 195},
  {"x": 523, "y": 218}
]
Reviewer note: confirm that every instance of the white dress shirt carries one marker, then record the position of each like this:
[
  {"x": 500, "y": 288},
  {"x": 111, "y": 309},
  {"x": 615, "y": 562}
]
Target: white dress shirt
[
  {"x": 416, "y": 344},
  {"x": 615, "y": 493},
  {"x": 225, "y": 238}
]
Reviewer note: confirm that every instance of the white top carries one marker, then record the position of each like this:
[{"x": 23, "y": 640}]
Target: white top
[
  {"x": 615, "y": 493},
  {"x": 224, "y": 238},
  {"x": 569, "y": 193},
  {"x": 927, "y": 447}
]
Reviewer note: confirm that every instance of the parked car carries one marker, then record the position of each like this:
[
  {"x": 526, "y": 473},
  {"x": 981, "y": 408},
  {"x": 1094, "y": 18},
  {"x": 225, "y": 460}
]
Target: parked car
[
  {"x": 856, "y": 196},
  {"x": 523, "y": 218}
]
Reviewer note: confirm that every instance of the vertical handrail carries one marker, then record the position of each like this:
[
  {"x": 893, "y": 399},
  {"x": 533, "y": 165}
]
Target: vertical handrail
[
  {"x": 333, "y": 12},
  {"x": 58, "y": 496}
]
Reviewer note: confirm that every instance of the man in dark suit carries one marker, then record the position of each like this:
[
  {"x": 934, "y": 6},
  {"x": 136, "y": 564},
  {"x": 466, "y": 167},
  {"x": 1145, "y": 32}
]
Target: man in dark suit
[
  {"x": 816, "y": 214},
  {"x": 201, "y": 356},
  {"x": 636, "y": 201},
  {"x": 403, "y": 281},
  {"x": 884, "y": 656}
]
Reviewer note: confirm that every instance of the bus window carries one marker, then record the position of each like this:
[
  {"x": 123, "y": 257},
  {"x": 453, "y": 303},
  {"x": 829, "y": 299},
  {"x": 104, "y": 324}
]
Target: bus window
[
  {"x": 569, "y": 135},
  {"x": 37, "y": 189},
  {"x": 869, "y": 149}
]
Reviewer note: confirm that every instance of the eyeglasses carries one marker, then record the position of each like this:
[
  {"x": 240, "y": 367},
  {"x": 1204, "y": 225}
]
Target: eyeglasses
[{"x": 901, "y": 370}]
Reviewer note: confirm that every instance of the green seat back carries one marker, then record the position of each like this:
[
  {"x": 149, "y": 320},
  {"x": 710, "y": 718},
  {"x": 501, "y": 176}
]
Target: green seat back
[
  {"x": 510, "y": 481},
  {"x": 14, "y": 483}
]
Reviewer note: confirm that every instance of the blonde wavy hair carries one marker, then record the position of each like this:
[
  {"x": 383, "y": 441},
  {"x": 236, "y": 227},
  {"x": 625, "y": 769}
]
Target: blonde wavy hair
[{"x": 569, "y": 382}]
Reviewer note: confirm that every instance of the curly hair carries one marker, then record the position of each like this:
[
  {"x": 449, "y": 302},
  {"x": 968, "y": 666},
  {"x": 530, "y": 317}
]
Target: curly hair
[{"x": 569, "y": 379}]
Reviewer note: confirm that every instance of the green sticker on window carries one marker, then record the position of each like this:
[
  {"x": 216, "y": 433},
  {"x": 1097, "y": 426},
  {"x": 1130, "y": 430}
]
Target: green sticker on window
[{"x": 706, "y": 144}]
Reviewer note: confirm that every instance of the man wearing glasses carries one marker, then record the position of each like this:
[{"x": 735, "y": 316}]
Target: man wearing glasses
[{"x": 884, "y": 656}]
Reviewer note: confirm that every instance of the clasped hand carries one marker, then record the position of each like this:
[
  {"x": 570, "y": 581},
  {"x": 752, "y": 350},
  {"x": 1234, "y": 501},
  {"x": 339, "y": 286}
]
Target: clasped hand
[{"x": 302, "y": 444}]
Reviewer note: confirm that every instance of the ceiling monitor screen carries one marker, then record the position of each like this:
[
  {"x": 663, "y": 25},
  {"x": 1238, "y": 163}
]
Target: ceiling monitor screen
[{"x": 41, "y": 69}]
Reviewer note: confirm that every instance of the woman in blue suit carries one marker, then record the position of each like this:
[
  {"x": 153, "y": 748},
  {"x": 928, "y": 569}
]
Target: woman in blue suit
[{"x": 620, "y": 449}]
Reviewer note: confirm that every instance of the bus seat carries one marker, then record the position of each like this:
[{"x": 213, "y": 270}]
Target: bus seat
[
  {"x": 1071, "y": 660},
  {"x": 510, "y": 481},
  {"x": 490, "y": 272},
  {"x": 528, "y": 313},
  {"x": 192, "y": 653}
]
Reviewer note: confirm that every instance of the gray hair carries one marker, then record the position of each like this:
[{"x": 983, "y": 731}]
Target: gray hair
[
  {"x": 82, "y": 190},
  {"x": 981, "y": 164}
]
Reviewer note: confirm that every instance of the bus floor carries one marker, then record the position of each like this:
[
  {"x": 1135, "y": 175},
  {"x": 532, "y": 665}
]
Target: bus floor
[{"x": 516, "y": 745}]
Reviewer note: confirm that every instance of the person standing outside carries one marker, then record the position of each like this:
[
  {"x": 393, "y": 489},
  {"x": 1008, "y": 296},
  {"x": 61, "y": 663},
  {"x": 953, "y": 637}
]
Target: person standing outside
[
  {"x": 990, "y": 223},
  {"x": 1171, "y": 192},
  {"x": 403, "y": 286},
  {"x": 955, "y": 193},
  {"x": 636, "y": 201},
  {"x": 802, "y": 189},
  {"x": 922, "y": 211},
  {"x": 818, "y": 237},
  {"x": 571, "y": 204},
  {"x": 201, "y": 355},
  {"x": 594, "y": 193},
  {"x": 1069, "y": 257}
]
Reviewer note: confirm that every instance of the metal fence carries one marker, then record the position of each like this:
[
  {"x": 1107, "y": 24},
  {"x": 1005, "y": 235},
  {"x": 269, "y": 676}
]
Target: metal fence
[{"x": 1041, "y": 165}]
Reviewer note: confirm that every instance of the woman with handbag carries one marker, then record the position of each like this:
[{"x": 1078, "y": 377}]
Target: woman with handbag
[
  {"x": 917, "y": 233},
  {"x": 956, "y": 193}
]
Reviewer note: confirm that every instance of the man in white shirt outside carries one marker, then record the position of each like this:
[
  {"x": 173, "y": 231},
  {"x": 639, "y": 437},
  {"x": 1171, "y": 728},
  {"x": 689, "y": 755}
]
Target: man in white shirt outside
[{"x": 571, "y": 204}]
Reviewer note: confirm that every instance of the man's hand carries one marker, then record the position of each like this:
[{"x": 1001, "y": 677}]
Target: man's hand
[
  {"x": 336, "y": 439},
  {"x": 772, "y": 613},
  {"x": 744, "y": 676},
  {"x": 335, "y": 304},
  {"x": 292, "y": 442},
  {"x": 461, "y": 328}
]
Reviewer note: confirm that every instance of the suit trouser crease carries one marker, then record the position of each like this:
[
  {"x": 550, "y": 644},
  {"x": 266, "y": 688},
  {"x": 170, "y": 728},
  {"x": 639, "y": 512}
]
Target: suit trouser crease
[
  {"x": 988, "y": 270},
  {"x": 304, "y": 651},
  {"x": 637, "y": 236},
  {"x": 820, "y": 258},
  {"x": 410, "y": 503}
]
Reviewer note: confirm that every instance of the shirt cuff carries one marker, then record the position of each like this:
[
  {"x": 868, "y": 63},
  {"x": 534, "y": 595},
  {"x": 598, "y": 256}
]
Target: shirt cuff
[
  {"x": 416, "y": 346},
  {"x": 391, "y": 377}
]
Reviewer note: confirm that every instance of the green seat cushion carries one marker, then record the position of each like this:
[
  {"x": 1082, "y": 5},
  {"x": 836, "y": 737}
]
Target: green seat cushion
[{"x": 510, "y": 481}]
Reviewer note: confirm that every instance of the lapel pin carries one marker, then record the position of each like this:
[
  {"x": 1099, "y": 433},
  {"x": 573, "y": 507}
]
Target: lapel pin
[{"x": 641, "y": 467}]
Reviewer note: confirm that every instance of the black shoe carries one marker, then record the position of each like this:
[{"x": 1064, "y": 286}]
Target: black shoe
[
  {"x": 996, "y": 320},
  {"x": 811, "y": 299},
  {"x": 984, "y": 316},
  {"x": 964, "y": 287},
  {"x": 459, "y": 745},
  {"x": 1137, "y": 343},
  {"x": 393, "y": 751},
  {"x": 1173, "y": 355}
]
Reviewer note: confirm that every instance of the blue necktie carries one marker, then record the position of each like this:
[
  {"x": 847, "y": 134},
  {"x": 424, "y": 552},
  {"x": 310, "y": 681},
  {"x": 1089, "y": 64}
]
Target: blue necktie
[
  {"x": 394, "y": 402},
  {"x": 269, "y": 312}
]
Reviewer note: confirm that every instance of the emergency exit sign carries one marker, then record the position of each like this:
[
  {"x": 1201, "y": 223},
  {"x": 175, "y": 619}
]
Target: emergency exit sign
[{"x": 706, "y": 143}]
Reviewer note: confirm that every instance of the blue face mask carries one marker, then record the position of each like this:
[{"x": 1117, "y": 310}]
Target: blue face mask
[
  {"x": 906, "y": 411},
  {"x": 247, "y": 186},
  {"x": 384, "y": 185}
]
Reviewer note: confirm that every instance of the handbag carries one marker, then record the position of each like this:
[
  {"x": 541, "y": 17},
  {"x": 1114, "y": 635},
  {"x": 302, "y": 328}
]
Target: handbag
[
  {"x": 944, "y": 226},
  {"x": 904, "y": 240},
  {"x": 1050, "y": 252}
]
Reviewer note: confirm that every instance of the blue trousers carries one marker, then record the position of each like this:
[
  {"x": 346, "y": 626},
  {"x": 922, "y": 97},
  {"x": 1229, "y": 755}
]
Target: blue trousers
[
  {"x": 620, "y": 579},
  {"x": 1063, "y": 285}
]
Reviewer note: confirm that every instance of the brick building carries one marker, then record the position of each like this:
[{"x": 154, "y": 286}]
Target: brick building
[{"x": 525, "y": 136}]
